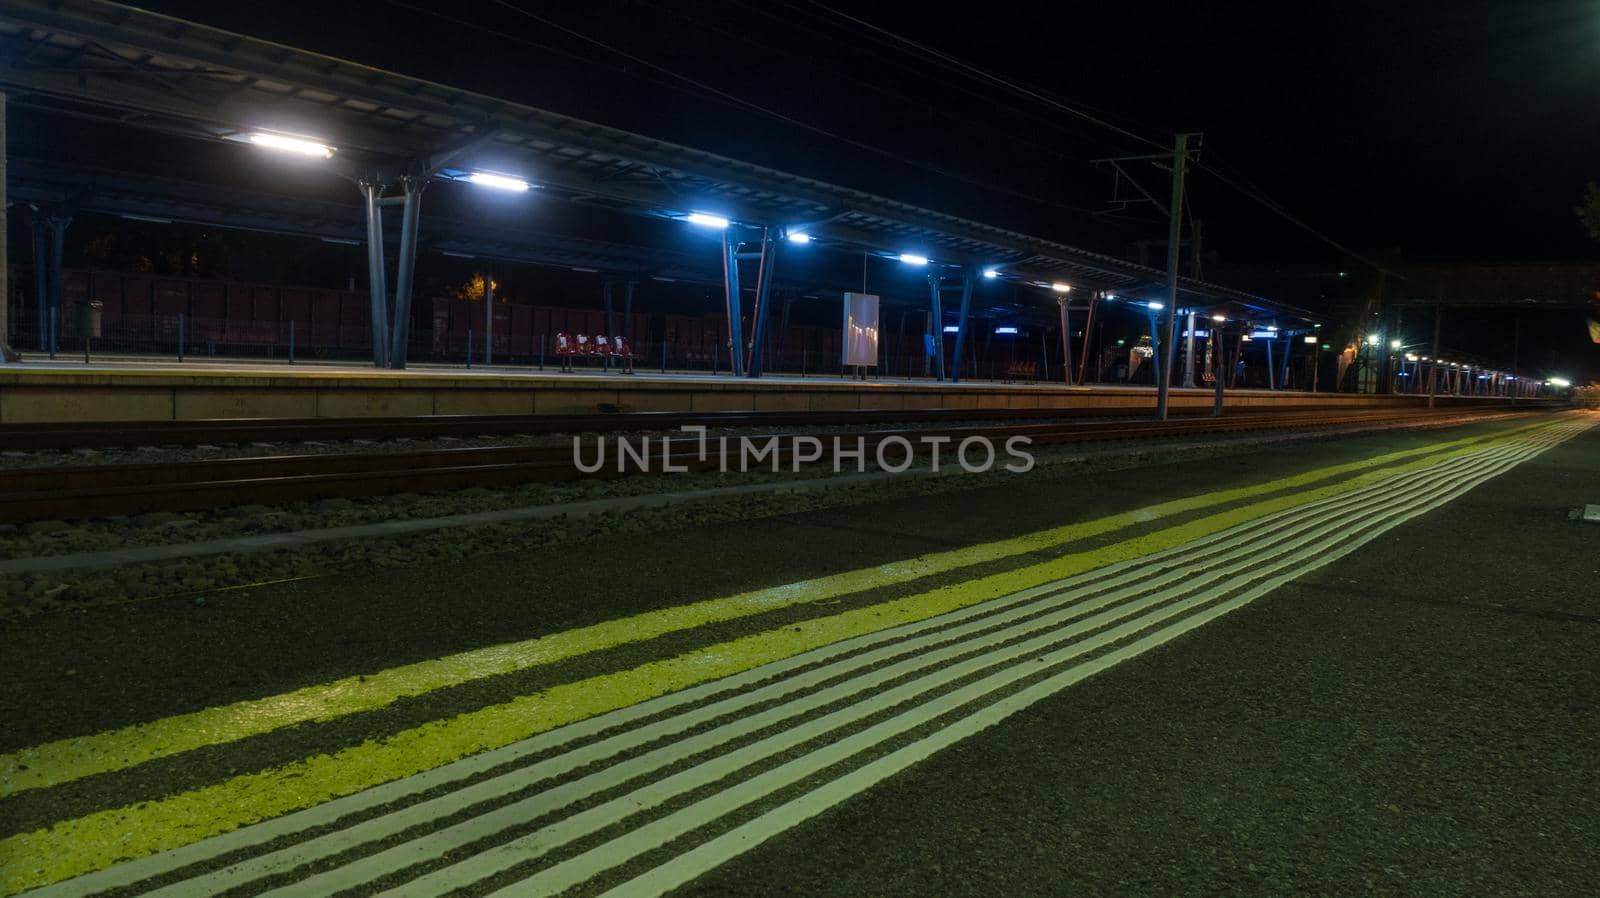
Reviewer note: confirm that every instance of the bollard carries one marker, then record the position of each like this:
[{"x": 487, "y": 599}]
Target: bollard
[
  {"x": 180, "y": 336},
  {"x": 469, "y": 348},
  {"x": 291, "y": 341}
]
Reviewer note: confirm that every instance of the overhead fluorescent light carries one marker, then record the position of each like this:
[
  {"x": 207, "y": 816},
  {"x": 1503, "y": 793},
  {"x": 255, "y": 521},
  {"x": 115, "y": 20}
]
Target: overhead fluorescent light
[
  {"x": 1005, "y": 330},
  {"x": 498, "y": 182},
  {"x": 800, "y": 237},
  {"x": 913, "y": 259},
  {"x": 287, "y": 144},
  {"x": 706, "y": 220}
]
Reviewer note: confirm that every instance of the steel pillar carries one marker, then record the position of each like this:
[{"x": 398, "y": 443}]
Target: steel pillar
[
  {"x": 1156, "y": 357},
  {"x": 1180, "y": 161},
  {"x": 488, "y": 317},
  {"x": 1283, "y": 372},
  {"x": 730, "y": 289},
  {"x": 1088, "y": 332},
  {"x": 41, "y": 281},
  {"x": 5, "y": 272},
  {"x": 377, "y": 276},
  {"x": 762, "y": 313},
  {"x": 936, "y": 325},
  {"x": 1066, "y": 341},
  {"x": 1218, "y": 356},
  {"x": 410, "y": 211},
  {"x": 58, "y": 225},
  {"x": 1188, "y": 352},
  {"x": 968, "y": 282}
]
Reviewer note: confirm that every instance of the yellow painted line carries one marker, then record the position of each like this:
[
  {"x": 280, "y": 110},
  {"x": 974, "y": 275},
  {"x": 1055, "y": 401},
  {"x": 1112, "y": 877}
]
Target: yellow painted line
[
  {"x": 64, "y": 760},
  {"x": 98, "y": 840}
]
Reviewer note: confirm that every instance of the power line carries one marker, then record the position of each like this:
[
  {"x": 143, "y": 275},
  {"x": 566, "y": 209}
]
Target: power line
[
  {"x": 985, "y": 75},
  {"x": 787, "y": 119}
]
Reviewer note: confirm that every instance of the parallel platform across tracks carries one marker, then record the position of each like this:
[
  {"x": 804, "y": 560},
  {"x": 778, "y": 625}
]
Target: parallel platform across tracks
[{"x": 102, "y": 490}]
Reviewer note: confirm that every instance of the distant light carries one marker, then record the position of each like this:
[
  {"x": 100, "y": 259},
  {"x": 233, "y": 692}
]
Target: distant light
[
  {"x": 707, "y": 221},
  {"x": 1245, "y": 337},
  {"x": 991, "y": 273},
  {"x": 1271, "y": 329},
  {"x": 1005, "y": 330},
  {"x": 1316, "y": 325},
  {"x": 1455, "y": 364},
  {"x": 1344, "y": 274},
  {"x": 1219, "y": 318},
  {"x": 913, "y": 259},
  {"x": 1411, "y": 357},
  {"x": 1061, "y": 288},
  {"x": 1111, "y": 296},
  {"x": 1394, "y": 344},
  {"x": 498, "y": 182},
  {"x": 1374, "y": 339},
  {"x": 1154, "y": 306},
  {"x": 1122, "y": 342},
  {"x": 1326, "y": 346},
  {"x": 952, "y": 329},
  {"x": 799, "y": 237},
  {"x": 292, "y": 145},
  {"x": 1310, "y": 339},
  {"x": 1560, "y": 382},
  {"x": 1511, "y": 377}
]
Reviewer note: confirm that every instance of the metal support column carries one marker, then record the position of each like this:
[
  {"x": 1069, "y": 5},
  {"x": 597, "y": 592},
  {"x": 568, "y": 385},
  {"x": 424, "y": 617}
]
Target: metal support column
[
  {"x": 410, "y": 210},
  {"x": 762, "y": 313},
  {"x": 1433, "y": 378},
  {"x": 58, "y": 256},
  {"x": 1218, "y": 354},
  {"x": 1283, "y": 372},
  {"x": 41, "y": 281},
  {"x": 730, "y": 289},
  {"x": 1066, "y": 341},
  {"x": 936, "y": 326},
  {"x": 5, "y": 272},
  {"x": 488, "y": 317},
  {"x": 1272, "y": 371},
  {"x": 1088, "y": 331},
  {"x": 1156, "y": 357},
  {"x": 377, "y": 276},
  {"x": 1188, "y": 352},
  {"x": 968, "y": 282},
  {"x": 1180, "y": 160}
]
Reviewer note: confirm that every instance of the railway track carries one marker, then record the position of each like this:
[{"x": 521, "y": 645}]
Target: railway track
[
  {"x": 96, "y": 491},
  {"x": 98, "y": 435}
]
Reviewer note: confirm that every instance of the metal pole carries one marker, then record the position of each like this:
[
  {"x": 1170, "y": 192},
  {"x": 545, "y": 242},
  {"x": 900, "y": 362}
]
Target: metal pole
[
  {"x": 410, "y": 210},
  {"x": 1217, "y": 355},
  {"x": 936, "y": 326},
  {"x": 180, "y": 336},
  {"x": 5, "y": 278},
  {"x": 41, "y": 280},
  {"x": 58, "y": 256},
  {"x": 1283, "y": 376},
  {"x": 967, "y": 284},
  {"x": 1433, "y": 380},
  {"x": 1155, "y": 348},
  {"x": 541, "y": 352},
  {"x": 469, "y": 347},
  {"x": 1066, "y": 342},
  {"x": 488, "y": 318},
  {"x": 762, "y": 313},
  {"x": 1180, "y": 159},
  {"x": 1272, "y": 371},
  {"x": 1088, "y": 331},
  {"x": 377, "y": 278},
  {"x": 291, "y": 341},
  {"x": 1188, "y": 352},
  {"x": 730, "y": 288}
]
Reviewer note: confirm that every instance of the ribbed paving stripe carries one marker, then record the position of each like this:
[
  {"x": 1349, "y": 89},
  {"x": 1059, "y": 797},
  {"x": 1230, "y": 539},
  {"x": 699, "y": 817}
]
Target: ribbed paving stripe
[{"x": 698, "y": 776}]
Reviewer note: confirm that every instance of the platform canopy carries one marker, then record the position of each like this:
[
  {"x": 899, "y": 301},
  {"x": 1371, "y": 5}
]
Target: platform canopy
[{"x": 113, "y": 63}]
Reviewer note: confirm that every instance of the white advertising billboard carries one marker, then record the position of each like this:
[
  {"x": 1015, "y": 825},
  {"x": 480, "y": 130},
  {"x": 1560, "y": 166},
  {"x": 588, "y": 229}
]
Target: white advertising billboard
[{"x": 860, "y": 343}]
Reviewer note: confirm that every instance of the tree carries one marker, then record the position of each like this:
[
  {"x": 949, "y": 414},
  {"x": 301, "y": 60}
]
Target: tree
[{"x": 1589, "y": 211}]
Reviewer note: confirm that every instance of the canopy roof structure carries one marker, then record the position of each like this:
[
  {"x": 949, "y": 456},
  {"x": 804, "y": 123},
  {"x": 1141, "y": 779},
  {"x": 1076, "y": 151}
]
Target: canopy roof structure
[{"x": 105, "y": 61}]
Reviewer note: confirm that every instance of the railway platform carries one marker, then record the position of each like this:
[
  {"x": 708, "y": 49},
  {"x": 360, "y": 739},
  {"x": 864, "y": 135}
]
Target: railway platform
[{"x": 199, "y": 390}]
